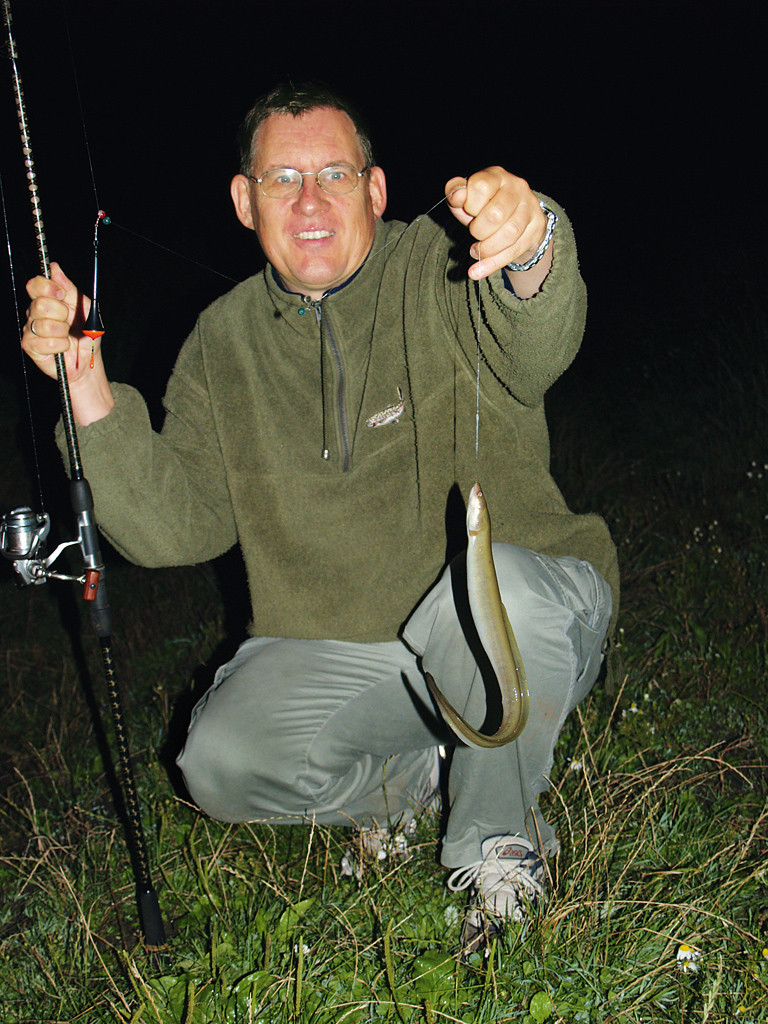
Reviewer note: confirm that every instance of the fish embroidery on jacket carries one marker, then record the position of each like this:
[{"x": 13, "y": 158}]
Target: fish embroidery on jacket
[{"x": 391, "y": 414}]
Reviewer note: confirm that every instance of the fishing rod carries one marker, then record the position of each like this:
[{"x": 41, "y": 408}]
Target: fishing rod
[{"x": 23, "y": 534}]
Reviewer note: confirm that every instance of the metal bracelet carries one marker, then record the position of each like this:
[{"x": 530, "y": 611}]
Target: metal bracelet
[{"x": 551, "y": 221}]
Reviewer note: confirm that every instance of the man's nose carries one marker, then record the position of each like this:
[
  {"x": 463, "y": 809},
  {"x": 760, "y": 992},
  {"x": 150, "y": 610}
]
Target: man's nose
[{"x": 310, "y": 196}]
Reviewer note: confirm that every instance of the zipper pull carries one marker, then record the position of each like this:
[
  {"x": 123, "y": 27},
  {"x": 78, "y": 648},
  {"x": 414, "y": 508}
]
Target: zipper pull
[{"x": 309, "y": 302}]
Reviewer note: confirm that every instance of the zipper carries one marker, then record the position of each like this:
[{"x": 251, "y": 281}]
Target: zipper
[{"x": 324, "y": 324}]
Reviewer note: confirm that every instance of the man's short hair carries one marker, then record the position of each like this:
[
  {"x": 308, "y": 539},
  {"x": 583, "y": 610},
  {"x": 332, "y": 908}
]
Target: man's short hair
[{"x": 296, "y": 100}]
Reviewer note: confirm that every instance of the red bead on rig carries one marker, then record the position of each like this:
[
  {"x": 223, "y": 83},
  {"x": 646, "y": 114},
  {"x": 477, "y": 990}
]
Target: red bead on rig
[{"x": 93, "y": 327}]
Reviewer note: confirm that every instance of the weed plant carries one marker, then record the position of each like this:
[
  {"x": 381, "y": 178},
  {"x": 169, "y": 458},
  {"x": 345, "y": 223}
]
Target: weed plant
[{"x": 658, "y": 905}]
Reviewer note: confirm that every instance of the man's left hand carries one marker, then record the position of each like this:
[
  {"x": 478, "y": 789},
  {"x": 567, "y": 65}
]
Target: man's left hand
[{"x": 504, "y": 217}]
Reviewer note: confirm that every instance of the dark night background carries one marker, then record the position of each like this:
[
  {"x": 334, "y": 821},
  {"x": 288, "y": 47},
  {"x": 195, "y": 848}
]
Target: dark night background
[{"x": 643, "y": 119}]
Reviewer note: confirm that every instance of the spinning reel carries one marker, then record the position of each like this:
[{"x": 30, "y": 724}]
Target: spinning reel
[{"x": 22, "y": 541}]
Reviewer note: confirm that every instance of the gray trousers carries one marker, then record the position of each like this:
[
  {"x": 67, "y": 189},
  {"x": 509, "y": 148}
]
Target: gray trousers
[{"x": 345, "y": 733}]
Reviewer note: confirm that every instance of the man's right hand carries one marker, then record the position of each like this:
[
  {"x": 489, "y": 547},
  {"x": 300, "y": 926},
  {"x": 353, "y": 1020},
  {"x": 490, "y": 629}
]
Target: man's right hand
[{"x": 57, "y": 312}]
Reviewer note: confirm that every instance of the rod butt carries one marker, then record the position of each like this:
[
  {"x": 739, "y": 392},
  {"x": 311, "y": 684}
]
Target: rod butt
[{"x": 151, "y": 919}]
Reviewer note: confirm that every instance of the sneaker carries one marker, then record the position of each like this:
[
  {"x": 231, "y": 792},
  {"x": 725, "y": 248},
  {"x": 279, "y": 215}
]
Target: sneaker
[
  {"x": 374, "y": 845},
  {"x": 504, "y": 885}
]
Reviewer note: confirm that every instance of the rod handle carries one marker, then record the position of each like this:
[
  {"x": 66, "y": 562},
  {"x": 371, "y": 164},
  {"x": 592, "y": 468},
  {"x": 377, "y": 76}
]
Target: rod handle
[{"x": 151, "y": 918}]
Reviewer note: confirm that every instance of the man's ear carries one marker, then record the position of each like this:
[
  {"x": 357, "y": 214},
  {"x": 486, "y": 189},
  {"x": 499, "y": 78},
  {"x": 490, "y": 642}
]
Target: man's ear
[
  {"x": 240, "y": 190},
  {"x": 377, "y": 188}
]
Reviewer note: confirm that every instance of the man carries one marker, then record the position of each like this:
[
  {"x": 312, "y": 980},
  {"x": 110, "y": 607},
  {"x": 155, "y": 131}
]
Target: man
[{"x": 322, "y": 415}]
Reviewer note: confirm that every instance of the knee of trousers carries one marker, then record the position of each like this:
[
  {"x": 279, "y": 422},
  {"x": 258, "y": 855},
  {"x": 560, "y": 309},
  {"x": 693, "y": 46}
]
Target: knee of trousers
[
  {"x": 234, "y": 776},
  {"x": 243, "y": 749},
  {"x": 559, "y": 609}
]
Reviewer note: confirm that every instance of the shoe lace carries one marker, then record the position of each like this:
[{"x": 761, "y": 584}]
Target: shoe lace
[{"x": 492, "y": 878}]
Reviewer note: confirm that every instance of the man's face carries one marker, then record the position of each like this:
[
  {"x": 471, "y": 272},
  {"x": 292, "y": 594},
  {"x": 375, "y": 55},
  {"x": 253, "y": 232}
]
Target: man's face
[{"x": 315, "y": 241}]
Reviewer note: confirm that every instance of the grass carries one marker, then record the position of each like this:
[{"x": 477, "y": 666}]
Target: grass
[{"x": 660, "y": 790}]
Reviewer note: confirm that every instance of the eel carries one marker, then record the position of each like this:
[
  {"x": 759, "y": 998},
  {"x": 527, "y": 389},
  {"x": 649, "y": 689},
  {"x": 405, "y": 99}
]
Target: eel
[{"x": 495, "y": 633}]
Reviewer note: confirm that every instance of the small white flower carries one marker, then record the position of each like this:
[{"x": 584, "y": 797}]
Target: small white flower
[
  {"x": 351, "y": 866},
  {"x": 687, "y": 957},
  {"x": 576, "y": 766}
]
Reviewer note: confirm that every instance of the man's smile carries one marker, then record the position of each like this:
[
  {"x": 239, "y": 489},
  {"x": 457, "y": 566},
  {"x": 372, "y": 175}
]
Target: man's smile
[{"x": 310, "y": 235}]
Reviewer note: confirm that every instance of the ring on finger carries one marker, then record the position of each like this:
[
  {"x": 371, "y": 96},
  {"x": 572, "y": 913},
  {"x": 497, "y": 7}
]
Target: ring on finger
[{"x": 32, "y": 328}]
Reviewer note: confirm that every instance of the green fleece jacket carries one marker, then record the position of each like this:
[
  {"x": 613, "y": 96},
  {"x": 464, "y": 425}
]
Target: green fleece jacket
[{"x": 344, "y": 525}]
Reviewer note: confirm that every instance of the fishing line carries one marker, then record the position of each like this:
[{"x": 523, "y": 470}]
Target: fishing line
[
  {"x": 174, "y": 252},
  {"x": 145, "y": 238},
  {"x": 477, "y": 377},
  {"x": 416, "y": 220},
  {"x": 25, "y": 375},
  {"x": 89, "y": 154},
  {"x": 234, "y": 280},
  {"x": 93, "y": 327},
  {"x": 478, "y": 293},
  {"x": 73, "y": 65}
]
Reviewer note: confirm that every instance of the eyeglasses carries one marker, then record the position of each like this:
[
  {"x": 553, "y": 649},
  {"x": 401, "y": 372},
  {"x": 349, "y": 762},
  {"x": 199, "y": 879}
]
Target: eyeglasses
[{"x": 284, "y": 182}]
